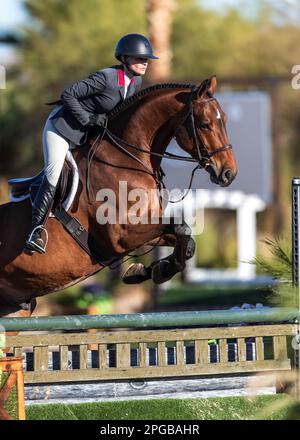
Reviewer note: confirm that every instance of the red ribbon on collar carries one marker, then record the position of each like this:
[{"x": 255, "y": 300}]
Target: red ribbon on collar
[{"x": 121, "y": 78}]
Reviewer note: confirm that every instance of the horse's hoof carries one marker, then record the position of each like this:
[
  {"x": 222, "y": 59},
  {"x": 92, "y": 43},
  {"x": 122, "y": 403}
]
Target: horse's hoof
[
  {"x": 162, "y": 272},
  {"x": 135, "y": 274}
]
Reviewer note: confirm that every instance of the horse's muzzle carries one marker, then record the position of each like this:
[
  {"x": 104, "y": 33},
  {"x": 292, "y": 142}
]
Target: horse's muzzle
[{"x": 223, "y": 178}]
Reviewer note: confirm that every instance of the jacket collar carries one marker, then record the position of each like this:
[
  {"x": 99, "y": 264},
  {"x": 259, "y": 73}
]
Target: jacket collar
[
  {"x": 121, "y": 84},
  {"x": 121, "y": 78}
]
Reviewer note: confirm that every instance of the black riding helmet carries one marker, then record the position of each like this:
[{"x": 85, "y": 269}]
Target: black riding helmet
[{"x": 135, "y": 45}]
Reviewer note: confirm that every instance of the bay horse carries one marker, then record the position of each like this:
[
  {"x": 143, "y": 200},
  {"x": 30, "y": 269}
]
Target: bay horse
[{"x": 130, "y": 149}]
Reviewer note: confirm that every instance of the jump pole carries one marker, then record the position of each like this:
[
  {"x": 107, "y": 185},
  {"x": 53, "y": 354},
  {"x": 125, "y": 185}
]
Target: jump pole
[
  {"x": 296, "y": 262},
  {"x": 151, "y": 320}
]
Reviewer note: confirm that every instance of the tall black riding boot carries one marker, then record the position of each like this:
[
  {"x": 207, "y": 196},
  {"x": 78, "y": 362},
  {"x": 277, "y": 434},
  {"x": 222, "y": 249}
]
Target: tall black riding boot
[{"x": 40, "y": 207}]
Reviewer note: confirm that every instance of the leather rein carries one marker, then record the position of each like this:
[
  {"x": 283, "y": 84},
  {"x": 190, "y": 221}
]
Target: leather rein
[{"x": 204, "y": 155}]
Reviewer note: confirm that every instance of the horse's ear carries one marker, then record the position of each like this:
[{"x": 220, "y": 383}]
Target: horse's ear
[
  {"x": 208, "y": 85},
  {"x": 213, "y": 85}
]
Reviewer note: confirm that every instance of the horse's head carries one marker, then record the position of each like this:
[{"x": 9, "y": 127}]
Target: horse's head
[{"x": 203, "y": 134}]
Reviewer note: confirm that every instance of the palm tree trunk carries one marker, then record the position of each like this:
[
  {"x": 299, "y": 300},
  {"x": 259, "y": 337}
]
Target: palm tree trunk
[{"x": 159, "y": 15}]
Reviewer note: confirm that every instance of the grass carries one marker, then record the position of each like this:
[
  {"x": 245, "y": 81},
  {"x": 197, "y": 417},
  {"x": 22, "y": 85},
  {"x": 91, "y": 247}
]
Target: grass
[
  {"x": 11, "y": 404},
  {"x": 274, "y": 407},
  {"x": 214, "y": 295}
]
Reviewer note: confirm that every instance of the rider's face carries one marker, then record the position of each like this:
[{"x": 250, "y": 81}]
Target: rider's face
[{"x": 138, "y": 64}]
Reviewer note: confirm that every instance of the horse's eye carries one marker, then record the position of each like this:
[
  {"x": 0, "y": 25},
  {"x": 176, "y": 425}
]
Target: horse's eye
[{"x": 205, "y": 125}]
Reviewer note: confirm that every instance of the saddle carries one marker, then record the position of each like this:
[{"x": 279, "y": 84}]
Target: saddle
[{"x": 23, "y": 188}]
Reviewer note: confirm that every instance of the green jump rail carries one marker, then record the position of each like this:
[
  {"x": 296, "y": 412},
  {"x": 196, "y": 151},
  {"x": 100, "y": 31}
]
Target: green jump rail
[{"x": 151, "y": 320}]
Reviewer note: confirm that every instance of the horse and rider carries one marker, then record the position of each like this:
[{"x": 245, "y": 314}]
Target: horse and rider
[{"x": 117, "y": 132}]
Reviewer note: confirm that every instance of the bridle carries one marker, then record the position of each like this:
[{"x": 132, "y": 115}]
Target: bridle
[
  {"x": 204, "y": 158},
  {"x": 204, "y": 155}
]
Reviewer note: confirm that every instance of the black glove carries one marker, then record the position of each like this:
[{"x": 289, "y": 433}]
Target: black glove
[{"x": 98, "y": 119}]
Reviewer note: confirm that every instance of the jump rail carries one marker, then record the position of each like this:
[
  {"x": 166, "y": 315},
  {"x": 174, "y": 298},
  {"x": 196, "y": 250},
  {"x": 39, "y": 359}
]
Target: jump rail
[
  {"x": 153, "y": 353},
  {"x": 146, "y": 320}
]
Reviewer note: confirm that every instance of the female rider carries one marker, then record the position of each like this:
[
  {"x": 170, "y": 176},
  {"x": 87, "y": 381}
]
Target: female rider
[{"x": 84, "y": 104}]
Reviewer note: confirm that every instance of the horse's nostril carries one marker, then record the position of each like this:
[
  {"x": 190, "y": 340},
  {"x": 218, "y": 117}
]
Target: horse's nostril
[{"x": 227, "y": 175}]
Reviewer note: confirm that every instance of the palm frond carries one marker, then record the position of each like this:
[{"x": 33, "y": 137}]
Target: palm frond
[{"x": 279, "y": 266}]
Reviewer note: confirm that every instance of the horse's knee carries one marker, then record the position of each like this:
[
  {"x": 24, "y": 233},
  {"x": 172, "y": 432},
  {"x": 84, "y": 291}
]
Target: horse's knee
[
  {"x": 183, "y": 230},
  {"x": 22, "y": 310}
]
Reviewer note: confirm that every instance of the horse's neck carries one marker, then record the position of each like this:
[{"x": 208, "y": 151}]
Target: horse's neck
[{"x": 153, "y": 124}]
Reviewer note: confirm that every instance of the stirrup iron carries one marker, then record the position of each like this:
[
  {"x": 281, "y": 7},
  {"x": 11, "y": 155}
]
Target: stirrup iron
[{"x": 42, "y": 249}]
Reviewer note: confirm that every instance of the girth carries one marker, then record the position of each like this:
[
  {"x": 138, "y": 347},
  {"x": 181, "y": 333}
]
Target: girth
[{"x": 80, "y": 235}]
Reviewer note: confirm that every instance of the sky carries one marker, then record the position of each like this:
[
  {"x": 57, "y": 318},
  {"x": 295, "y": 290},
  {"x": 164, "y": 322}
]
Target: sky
[{"x": 12, "y": 14}]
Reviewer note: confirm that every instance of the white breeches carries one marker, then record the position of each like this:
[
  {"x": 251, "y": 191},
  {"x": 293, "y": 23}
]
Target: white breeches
[{"x": 55, "y": 148}]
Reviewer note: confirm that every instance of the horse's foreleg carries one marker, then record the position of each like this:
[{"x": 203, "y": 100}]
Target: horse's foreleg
[
  {"x": 137, "y": 273},
  {"x": 23, "y": 310},
  {"x": 184, "y": 249},
  {"x": 166, "y": 268}
]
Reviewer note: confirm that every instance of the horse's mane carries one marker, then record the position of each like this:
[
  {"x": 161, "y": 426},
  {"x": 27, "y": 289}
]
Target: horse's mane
[{"x": 132, "y": 99}]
